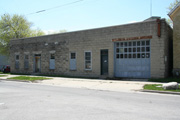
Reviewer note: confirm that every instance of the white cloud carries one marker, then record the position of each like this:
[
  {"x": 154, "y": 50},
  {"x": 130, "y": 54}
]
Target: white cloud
[
  {"x": 47, "y": 32},
  {"x": 132, "y": 21}
]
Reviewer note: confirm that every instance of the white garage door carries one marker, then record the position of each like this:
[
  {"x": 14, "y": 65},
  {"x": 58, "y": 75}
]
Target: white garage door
[{"x": 132, "y": 59}]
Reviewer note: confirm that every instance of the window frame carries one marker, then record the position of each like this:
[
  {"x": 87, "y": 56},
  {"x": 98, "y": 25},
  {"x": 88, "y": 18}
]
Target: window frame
[
  {"x": 17, "y": 60},
  {"x": 27, "y": 61},
  {"x": 86, "y": 60},
  {"x": 71, "y": 55},
  {"x": 54, "y": 67}
]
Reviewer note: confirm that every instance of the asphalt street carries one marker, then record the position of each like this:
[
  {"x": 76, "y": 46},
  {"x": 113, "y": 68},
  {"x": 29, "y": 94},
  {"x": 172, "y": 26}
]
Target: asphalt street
[{"x": 31, "y": 101}]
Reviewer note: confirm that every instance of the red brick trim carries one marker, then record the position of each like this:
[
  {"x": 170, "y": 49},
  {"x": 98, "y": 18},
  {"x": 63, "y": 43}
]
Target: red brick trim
[
  {"x": 132, "y": 38},
  {"x": 159, "y": 27}
]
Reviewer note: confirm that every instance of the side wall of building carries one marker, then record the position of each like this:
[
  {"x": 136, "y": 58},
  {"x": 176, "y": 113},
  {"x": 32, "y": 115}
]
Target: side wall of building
[
  {"x": 176, "y": 44},
  {"x": 94, "y": 41},
  {"x": 161, "y": 50}
]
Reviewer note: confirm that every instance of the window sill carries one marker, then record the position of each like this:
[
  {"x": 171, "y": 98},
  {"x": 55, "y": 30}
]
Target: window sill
[{"x": 88, "y": 70}]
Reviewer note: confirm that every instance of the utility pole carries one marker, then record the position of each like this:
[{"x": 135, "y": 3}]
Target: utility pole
[{"x": 151, "y": 8}]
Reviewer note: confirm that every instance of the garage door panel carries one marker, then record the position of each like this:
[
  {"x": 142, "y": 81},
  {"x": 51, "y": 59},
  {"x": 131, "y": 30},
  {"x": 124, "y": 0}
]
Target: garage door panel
[{"x": 132, "y": 59}]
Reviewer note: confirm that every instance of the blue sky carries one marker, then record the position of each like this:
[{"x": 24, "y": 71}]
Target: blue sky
[{"x": 86, "y": 14}]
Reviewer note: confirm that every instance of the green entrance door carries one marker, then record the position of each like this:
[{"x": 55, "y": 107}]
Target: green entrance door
[{"x": 104, "y": 62}]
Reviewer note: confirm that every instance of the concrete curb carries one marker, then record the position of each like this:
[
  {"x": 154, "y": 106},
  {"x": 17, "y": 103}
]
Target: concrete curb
[
  {"x": 16, "y": 80},
  {"x": 36, "y": 81},
  {"x": 162, "y": 92}
]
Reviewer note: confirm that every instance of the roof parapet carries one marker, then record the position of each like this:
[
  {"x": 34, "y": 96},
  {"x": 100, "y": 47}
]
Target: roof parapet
[
  {"x": 169, "y": 14},
  {"x": 153, "y": 18}
]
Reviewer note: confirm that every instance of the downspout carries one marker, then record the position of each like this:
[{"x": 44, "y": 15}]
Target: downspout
[{"x": 158, "y": 27}]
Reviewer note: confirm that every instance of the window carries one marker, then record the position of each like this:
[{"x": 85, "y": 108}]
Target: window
[
  {"x": 52, "y": 56},
  {"x": 26, "y": 61},
  {"x": 121, "y": 55},
  {"x": 17, "y": 62},
  {"x": 121, "y": 44},
  {"x": 72, "y": 61},
  {"x": 125, "y": 44},
  {"x": 52, "y": 61},
  {"x": 138, "y": 43},
  {"x": 117, "y": 50},
  {"x": 134, "y": 43},
  {"x": 17, "y": 57},
  {"x": 73, "y": 55},
  {"x": 117, "y": 55},
  {"x": 117, "y": 45},
  {"x": 133, "y": 50},
  {"x": 88, "y": 62}
]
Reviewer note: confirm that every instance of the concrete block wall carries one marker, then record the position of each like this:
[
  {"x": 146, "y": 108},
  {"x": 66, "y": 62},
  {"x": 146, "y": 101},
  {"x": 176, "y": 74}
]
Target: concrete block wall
[
  {"x": 161, "y": 51},
  {"x": 93, "y": 40}
]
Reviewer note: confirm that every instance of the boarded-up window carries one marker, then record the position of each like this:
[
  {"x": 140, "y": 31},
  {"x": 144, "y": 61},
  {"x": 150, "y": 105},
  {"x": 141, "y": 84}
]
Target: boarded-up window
[
  {"x": 52, "y": 61},
  {"x": 73, "y": 61},
  {"x": 17, "y": 62},
  {"x": 26, "y": 61}
]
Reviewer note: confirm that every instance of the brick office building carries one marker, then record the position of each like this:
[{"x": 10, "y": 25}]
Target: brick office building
[{"x": 137, "y": 50}]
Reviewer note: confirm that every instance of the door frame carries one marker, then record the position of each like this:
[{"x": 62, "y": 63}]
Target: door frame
[
  {"x": 70, "y": 61},
  {"x": 35, "y": 63},
  {"x": 101, "y": 65}
]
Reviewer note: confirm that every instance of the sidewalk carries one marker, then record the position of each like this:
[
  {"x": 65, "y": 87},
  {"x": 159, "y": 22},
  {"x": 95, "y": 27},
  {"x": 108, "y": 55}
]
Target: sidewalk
[{"x": 97, "y": 84}]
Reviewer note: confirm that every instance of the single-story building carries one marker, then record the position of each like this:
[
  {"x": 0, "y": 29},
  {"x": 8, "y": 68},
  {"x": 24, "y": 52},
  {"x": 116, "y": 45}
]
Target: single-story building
[
  {"x": 136, "y": 50},
  {"x": 174, "y": 14}
]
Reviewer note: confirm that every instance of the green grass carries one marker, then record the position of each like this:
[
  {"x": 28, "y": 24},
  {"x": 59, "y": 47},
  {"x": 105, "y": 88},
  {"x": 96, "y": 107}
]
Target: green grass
[
  {"x": 154, "y": 87},
  {"x": 3, "y": 75},
  {"x": 28, "y": 78},
  {"x": 19, "y": 74},
  {"x": 165, "y": 80}
]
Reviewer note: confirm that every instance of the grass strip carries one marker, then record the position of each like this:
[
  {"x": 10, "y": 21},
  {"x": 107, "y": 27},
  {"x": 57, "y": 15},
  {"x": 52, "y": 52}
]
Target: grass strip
[
  {"x": 3, "y": 75},
  {"x": 154, "y": 87},
  {"x": 28, "y": 78},
  {"x": 164, "y": 80}
]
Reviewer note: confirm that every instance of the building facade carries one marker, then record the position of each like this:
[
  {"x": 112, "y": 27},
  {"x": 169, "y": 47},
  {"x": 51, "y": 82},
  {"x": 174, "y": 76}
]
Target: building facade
[
  {"x": 175, "y": 16},
  {"x": 4, "y": 60},
  {"x": 137, "y": 50}
]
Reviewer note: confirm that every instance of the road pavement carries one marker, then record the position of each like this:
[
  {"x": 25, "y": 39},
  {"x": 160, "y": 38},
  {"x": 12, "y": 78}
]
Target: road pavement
[{"x": 31, "y": 101}]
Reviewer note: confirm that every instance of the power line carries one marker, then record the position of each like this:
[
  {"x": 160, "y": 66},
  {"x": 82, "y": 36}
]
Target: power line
[{"x": 55, "y": 7}]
